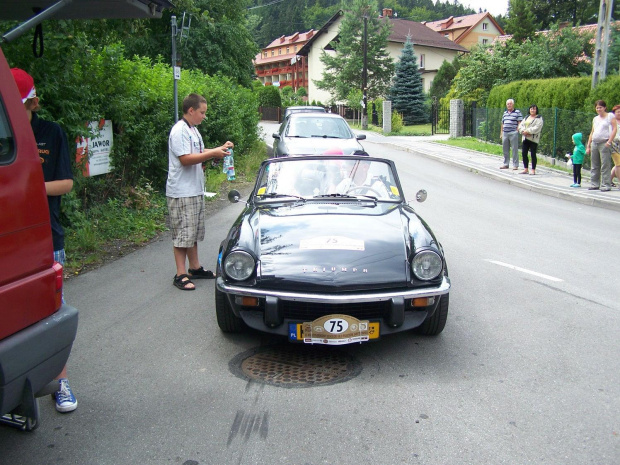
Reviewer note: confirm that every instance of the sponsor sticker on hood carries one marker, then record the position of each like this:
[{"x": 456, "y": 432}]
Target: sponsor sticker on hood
[{"x": 331, "y": 243}]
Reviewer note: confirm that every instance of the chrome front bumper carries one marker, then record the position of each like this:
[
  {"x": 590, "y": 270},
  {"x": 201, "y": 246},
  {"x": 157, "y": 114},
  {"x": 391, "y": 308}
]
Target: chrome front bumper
[{"x": 354, "y": 297}]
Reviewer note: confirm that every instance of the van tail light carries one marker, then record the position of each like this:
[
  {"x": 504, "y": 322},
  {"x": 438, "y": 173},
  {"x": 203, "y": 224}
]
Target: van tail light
[{"x": 58, "y": 296}]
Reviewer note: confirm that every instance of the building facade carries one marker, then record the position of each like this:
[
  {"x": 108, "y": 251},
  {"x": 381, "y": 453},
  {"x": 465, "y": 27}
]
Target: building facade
[
  {"x": 279, "y": 63},
  {"x": 430, "y": 48},
  {"x": 468, "y": 31}
]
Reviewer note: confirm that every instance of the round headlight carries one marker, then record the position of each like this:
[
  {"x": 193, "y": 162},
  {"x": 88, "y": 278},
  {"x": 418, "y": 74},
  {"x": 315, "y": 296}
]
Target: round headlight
[
  {"x": 426, "y": 265},
  {"x": 239, "y": 265}
]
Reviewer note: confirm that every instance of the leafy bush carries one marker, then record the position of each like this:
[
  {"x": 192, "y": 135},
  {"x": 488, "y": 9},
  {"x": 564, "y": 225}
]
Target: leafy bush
[
  {"x": 397, "y": 121},
  {"x": 269, "y": 96}
]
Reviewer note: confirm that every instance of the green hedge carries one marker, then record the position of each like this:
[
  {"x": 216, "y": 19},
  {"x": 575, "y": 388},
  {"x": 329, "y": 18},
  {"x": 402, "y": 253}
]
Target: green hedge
[
  {"x": 137, "y": 95},
  {"x": 608, "y": 90},
  {"x": 567, "y": 93}
]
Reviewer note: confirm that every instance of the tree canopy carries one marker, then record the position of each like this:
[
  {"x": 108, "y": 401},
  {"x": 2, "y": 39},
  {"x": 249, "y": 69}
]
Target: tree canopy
[
  {"x": 269, "y": 20},
  {"x": 521, "y": 21},
  {"x": 559, "y": 53},
  {"x": 444, "y": 77},
  {"x": 219, "y": 41}
]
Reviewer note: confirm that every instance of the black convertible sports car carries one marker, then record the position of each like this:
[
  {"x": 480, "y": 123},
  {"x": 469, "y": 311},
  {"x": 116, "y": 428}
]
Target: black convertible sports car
[{"x": 327, "y": 251}]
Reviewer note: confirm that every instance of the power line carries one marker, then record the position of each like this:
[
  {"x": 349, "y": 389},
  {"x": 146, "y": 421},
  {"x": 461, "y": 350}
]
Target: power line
[{"x": 267, "y": 4}]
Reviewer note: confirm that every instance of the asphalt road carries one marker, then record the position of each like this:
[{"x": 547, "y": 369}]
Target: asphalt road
[{"x": 527, "y": 370}]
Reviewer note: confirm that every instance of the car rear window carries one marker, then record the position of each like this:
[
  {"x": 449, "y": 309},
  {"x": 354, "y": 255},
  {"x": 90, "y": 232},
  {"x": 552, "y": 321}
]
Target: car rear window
[{"x": 7, "y": 142}]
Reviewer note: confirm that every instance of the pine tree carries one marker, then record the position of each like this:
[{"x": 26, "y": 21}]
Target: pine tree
[
  {"x": 521, "y": 22},
  {"x": 407, "y": 92}
]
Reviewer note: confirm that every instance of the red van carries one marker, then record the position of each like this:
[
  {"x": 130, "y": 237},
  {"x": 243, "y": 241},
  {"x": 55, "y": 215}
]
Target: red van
[{"x": 36, "y": 329}]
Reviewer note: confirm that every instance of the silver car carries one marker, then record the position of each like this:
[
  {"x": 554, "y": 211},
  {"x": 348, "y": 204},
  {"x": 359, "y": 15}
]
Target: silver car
[
  {"x": 316, "y": 134},
  {"x": 303, "y": 109}
]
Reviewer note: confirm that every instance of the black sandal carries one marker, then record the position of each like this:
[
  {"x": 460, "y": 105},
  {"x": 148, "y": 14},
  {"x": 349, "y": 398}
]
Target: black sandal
[
  {"x": 182, "y": 282},
  {"x": 201, "y": 273}
]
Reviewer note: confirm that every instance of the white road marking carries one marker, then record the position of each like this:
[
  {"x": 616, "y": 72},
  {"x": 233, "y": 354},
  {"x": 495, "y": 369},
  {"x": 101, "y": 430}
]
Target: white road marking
[{"x": 523, "y": 270}]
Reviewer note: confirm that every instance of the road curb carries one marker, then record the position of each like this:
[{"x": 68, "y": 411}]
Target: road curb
[{"x": 610, "y": 204}]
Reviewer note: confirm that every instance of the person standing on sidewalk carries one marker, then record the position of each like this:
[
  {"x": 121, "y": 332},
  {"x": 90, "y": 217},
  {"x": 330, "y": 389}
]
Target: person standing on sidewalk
[
  {"x": 530, "y": 128},
  {"x": 54, "y": 154},
  {"x": 604, "y": 128},
  {"x": 615, "y": 148},
  {"x": 510, "y": 135},
  {"x": 577, "y": 157},
  {"x": 185, "y": 190}
]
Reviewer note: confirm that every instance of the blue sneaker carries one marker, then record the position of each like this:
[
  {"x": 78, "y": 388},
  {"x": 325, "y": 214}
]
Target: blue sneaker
[
  {"x": 65, "y": 400},
  {"x": 575, "y": 185}
]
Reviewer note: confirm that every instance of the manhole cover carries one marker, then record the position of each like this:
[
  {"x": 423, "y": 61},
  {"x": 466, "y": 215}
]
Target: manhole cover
[{"x": 295, "y": 366}]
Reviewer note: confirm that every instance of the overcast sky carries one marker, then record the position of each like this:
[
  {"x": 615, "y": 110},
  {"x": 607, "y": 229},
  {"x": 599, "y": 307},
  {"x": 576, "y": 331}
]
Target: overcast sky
[{"x": 495, "y": 7}]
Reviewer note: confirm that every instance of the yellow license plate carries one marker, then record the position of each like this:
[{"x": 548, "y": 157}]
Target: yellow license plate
[{"x": 334, "y": 330}]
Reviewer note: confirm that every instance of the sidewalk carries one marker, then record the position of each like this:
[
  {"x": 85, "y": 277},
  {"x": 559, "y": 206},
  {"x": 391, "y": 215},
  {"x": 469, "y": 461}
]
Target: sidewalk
[{"x": 548, "y": 181}]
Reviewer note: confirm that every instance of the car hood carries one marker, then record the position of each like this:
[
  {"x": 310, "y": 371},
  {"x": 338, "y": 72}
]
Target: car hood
[
  {"x": 345, "y": 249},
  {"x": 321, "y": 145}
]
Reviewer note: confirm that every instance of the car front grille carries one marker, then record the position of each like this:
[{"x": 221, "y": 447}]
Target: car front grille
[{"x": 309, "y": 311}]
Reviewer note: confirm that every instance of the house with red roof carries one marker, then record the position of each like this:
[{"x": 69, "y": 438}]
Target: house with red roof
[
  {"x": 430, "y": 48},
  {"x": 470, "y": 30},
  {"x": 279, "y": 63},
  {"x": 585, "y": 29}
]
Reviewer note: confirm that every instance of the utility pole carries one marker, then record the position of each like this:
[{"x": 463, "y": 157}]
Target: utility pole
[
  {"x": 176, "y": 61},
  {"x": 176, "y": 69},
  {"x": 599, "y": 68},
  {"x": 365, "y": 76}
]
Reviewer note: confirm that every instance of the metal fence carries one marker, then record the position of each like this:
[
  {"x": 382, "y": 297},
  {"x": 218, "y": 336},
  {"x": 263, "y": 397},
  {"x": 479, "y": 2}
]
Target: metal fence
[
  {"x": 440, "y": 118},
  {"x": 556, "y": 137},
  {"x": 270, "y": 113}
]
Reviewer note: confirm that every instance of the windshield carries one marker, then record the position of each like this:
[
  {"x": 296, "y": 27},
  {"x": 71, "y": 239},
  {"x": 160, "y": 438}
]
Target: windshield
[
  {"x": 319, "y": 127},
  {"x": 324, "y": 178}
]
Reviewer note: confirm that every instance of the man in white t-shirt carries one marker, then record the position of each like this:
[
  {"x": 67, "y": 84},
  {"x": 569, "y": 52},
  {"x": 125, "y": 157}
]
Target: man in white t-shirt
[{"x": 185, "y": 190}]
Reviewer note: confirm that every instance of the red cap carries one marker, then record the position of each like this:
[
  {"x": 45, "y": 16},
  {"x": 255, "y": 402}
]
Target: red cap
[{"x": 25, "y": 84}]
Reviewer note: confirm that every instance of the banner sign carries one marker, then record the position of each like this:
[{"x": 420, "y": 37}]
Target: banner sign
[{"x": 93, "y": 153}]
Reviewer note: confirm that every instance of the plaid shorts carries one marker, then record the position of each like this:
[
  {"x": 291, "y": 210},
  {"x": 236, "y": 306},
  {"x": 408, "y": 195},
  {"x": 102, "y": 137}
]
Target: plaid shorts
[{"x": 187, "y": 220}]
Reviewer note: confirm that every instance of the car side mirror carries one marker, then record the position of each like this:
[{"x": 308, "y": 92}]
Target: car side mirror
[
  {"x": 360, "y": 136},
  {"x": 275, "y": 135},
  {"x": 420, "y": 195},
  {"x": 234, "y": 196}
]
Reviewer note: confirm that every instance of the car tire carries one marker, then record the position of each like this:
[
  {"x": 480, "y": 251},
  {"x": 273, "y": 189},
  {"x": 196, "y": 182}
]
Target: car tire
[
  {"x": 435, "y": 324},
  {"x": 226, "y": 319}
]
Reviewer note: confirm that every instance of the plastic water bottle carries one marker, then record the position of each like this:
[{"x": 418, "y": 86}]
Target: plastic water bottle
[{"x": 229, "y": 165}]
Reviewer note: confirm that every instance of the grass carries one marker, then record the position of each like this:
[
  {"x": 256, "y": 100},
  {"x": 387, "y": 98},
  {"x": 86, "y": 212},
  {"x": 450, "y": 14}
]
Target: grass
[
  {"x": 117, "y": 226},
  {"x": 417, "y": 130},
  {"x": 109, "y": 228},
  {"x": 472, "y": 143}
]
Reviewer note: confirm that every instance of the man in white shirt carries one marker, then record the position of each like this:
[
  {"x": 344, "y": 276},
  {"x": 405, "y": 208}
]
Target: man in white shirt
[{"x": 185, "y": 190}]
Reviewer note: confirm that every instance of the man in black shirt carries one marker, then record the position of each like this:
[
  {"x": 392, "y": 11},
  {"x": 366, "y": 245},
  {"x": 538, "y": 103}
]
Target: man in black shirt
[{"x": 54, "y": 154}]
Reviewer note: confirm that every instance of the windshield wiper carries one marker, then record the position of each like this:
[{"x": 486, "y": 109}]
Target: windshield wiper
[
  {"x": 273, "y": 195},
  {"x": 325, "y": 136},
  {"x": 336, "y": 195},
  {"x": 369, "y": 197},
  {"x": 346, "y": 196}
]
